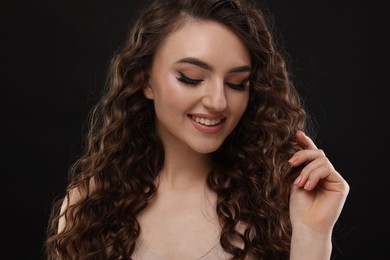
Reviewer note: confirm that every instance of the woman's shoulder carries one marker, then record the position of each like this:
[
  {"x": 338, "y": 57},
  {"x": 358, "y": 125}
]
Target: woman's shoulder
[{"x": 72, "y": 196}]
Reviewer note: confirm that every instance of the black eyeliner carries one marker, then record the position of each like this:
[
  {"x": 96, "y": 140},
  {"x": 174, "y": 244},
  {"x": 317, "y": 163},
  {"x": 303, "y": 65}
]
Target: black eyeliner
[
  {"x": 188, "y": 81},
  {"x": 240, "y": 87}
]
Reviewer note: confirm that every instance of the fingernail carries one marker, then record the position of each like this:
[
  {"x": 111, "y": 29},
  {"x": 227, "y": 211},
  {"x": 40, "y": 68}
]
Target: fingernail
[
  {"x": 298, "y": 180},
  {"x": 307, "y": 185},
  {"x": 292, "y": 159}
]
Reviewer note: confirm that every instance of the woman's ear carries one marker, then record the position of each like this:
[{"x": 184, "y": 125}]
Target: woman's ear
[{"x": 148, "y": 92}]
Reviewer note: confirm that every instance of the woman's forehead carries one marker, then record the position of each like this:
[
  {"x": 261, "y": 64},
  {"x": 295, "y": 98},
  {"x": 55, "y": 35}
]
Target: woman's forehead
[{"x": 208, "y": 41}]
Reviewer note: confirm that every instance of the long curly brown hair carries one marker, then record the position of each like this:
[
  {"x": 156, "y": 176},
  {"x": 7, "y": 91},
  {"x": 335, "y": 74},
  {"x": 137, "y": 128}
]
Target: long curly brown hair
[{"x": 124, "y": 155}]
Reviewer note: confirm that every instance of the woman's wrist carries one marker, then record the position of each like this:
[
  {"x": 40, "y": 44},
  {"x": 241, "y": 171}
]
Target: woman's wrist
[{"x": 307, "y": 243}]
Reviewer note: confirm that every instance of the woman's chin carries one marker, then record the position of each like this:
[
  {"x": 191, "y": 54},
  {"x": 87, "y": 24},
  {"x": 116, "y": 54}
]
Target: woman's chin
[{"x": 206, "y": 149}]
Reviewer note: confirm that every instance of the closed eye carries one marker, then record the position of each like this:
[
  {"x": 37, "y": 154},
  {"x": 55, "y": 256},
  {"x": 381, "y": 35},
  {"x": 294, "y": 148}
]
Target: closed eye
[
  {"x": 188, "y": 81},
  {"x": 241, "y": 87}
]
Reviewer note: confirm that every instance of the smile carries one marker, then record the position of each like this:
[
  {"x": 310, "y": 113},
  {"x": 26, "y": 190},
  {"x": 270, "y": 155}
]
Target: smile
[{"x": 206, "y": 121}]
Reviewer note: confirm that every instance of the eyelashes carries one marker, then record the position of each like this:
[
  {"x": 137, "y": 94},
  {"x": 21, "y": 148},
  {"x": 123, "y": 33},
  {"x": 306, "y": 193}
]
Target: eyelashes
[
  {"x": 188, "y": 81},
  {"x": 194, "y": 82},
  {"x": 240, "y": 87}
]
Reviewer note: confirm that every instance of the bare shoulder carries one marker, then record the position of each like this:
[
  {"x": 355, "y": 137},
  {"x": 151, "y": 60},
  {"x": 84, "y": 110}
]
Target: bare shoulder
[{"x": 73, "y": 196}]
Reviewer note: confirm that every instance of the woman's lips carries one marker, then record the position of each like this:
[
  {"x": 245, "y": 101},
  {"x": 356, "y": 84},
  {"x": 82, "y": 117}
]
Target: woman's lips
[{"x": 209, "y": 124}]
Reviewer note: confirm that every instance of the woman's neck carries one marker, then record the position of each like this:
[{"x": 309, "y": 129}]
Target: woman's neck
[{"x": 184, "y": 168}]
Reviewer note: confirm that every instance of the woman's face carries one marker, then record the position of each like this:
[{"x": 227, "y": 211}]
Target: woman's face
[{"x": 199, "y": 83}]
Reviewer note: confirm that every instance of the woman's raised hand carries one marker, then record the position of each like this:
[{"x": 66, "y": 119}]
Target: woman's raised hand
[{"x": 319, "y": 192}]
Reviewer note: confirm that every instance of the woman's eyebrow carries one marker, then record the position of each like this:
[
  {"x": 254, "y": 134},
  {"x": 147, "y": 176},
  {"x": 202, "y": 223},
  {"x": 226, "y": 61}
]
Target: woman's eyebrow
[{"x": 204, "y": 65}]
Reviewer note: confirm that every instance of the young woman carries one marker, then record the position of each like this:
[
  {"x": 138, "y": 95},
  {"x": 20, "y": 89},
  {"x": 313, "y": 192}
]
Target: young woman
[{"x": 197, "y": 149}]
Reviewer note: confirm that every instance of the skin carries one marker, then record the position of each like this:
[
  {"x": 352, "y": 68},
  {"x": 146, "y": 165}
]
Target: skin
[
  {"x": 317, "y": 198},
  {"x": 182, "y": 212}
]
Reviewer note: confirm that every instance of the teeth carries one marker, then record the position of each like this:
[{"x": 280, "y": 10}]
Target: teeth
[{"x": 206, "y": 121}]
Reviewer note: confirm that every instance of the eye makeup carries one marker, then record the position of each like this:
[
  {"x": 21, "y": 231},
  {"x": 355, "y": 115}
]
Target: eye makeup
[
  {"x": 193, "y": 82},
  {"x": 187, "y": 80},
  {"x": 241, "y": 87}
]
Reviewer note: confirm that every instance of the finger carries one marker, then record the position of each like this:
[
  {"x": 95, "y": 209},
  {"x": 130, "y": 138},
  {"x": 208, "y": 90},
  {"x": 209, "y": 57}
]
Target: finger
[
  {"x": 305, "y": 140},
  {"x": 309, "y": 169},
  {"x": 316, "y": 175},
  {"x": 326, "y": 174},
  {"x": 305, "y": 156}
]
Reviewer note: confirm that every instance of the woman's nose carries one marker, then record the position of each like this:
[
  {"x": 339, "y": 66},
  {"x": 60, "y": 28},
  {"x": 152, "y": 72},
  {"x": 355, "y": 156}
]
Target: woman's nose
[{"x": 214, "y": 97}]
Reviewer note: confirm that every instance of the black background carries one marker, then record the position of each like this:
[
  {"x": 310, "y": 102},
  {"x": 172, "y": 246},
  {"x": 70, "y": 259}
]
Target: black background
[{"x": 54, "y": 55}]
